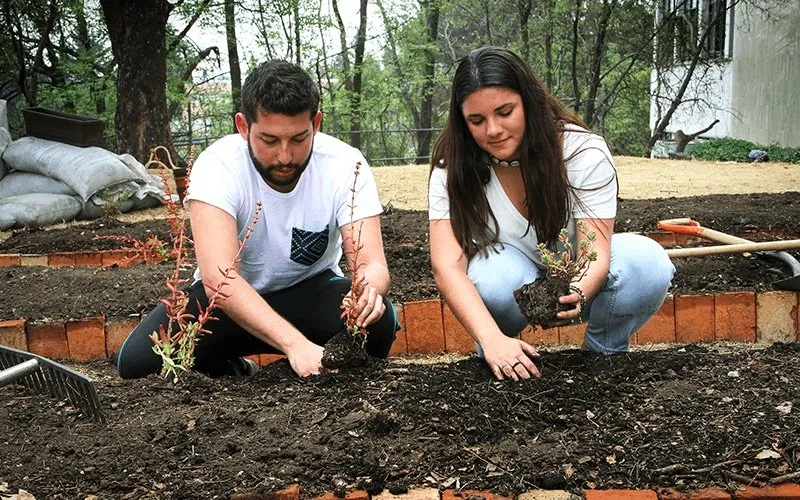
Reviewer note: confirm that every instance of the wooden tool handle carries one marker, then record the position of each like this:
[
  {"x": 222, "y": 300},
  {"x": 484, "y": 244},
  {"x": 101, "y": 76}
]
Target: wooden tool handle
[{"x": 735, "y": 248}]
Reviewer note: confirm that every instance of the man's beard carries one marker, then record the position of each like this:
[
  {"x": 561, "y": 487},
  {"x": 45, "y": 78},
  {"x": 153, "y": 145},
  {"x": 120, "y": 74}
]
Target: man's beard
[{"x": 267, "y": 172}]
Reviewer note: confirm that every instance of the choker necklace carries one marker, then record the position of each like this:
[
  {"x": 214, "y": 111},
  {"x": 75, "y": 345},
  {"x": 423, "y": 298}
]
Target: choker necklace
[{"x": 505, "y": 163}]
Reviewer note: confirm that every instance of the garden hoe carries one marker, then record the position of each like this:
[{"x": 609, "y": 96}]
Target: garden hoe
[
  {"x": 42, "y": 375},
  {"x": 733, "y": 244}
]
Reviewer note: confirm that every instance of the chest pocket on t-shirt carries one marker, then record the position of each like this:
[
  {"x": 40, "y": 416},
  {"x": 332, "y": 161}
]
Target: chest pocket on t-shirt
[{"x": 308, "y": 246}]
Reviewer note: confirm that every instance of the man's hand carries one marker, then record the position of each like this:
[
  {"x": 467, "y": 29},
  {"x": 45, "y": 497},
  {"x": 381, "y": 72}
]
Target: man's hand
[
  {"x": 369, "y": 308},
  {"x": 306, "y": 359},
  {"x": 508, "y": 357}
]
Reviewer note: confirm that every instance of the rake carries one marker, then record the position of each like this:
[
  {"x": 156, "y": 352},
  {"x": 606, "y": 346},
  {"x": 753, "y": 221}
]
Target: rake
[{"x": 44, "y": 376}]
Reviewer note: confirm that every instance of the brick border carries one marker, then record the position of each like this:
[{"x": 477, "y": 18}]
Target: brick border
[
  {"x": 429, "y": 327},
  {"x": 110, "y": 257},
  {"x": 789, "y": 491}
]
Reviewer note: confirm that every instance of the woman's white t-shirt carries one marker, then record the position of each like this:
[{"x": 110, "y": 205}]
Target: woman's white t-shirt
[{"x": 590, "y": 170}]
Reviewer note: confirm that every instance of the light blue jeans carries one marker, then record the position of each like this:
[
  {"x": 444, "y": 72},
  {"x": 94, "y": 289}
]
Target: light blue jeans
[{"x": 638, "y": 279}]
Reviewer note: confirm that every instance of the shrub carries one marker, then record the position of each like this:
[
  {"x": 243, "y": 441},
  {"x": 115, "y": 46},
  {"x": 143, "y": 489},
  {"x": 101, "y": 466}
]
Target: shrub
[{"x": 729, "y": 149}]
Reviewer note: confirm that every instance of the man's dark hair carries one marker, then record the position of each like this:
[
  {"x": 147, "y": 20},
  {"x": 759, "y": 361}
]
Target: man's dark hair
[{"x": 279, "y": 87}]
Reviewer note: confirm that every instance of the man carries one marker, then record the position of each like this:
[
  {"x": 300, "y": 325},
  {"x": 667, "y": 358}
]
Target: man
[{"x": 288, "y": 289}]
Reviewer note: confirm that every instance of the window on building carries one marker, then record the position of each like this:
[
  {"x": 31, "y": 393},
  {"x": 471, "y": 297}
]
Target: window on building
[{"x": 683, "y": 22}]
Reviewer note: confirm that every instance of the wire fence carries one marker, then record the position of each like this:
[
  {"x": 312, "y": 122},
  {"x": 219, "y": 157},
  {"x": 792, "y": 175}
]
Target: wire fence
[{"x": 379, "y": 147}]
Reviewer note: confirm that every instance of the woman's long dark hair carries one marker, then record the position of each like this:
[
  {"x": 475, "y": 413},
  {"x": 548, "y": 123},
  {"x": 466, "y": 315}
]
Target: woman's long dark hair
[{"x": 544, "y": 171}]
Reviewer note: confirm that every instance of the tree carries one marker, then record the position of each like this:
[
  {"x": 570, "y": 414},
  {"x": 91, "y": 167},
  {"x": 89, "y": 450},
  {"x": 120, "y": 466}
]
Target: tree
[
  {"x": 137, "y": 29},
  {"x": 233, "y": 59}
]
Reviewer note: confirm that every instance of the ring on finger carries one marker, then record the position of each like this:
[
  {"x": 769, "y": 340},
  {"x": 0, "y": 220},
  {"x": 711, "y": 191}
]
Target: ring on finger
[{"x": 516, "y": 364}]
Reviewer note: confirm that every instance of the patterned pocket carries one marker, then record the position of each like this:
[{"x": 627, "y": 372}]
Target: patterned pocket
[{"x": 308, "y": 246}]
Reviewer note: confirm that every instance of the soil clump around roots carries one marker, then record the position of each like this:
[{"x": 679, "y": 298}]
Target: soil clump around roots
[{"x": 684, "y": 417}]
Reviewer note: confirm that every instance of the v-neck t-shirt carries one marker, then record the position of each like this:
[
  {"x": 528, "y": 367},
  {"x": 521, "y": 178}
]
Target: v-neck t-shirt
[{"x": 591, "y": 173}]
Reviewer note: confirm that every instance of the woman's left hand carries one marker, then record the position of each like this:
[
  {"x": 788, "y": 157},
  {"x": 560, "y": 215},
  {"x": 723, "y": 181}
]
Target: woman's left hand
[{"x": 573, "y": 314}]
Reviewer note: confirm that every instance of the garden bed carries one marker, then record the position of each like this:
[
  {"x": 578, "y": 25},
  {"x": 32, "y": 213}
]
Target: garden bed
[
  {"x": 121, "y": 292},
  {"x": 685, "y": 417},
  {"x": 682, "y": 417}
]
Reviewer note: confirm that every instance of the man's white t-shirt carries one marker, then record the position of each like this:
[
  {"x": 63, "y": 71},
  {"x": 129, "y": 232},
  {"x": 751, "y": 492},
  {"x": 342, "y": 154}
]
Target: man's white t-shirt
[
  {"x": 297, "y": 235},
  {"x": 590, "y": 170}
]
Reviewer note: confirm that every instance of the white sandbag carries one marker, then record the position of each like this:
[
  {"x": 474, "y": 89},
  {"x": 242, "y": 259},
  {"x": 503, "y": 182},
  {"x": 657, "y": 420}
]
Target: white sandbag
[
  {"x": 5, "y": 140},
  {"x": 86, "y": 170},
  {"x": 3, "y": 114},
  {"x": 36, "y": 210},
  {"x": 17, "y": 183}
]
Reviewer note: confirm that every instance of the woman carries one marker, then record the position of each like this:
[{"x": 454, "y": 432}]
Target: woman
[{"x": 511, "y": 168}]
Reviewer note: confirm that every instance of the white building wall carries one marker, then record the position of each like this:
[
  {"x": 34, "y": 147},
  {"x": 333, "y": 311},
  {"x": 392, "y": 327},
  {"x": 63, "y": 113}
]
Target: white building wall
[{"x": 766, "y": 83}]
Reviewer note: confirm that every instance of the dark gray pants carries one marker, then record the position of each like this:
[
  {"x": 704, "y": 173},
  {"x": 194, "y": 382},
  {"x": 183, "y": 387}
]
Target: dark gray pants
[{"x": 312, "y": 306}]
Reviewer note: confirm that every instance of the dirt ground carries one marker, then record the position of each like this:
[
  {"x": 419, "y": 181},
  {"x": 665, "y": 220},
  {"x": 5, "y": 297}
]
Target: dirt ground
[
  {"x": 639, "y": 178},
  {"x": 629, "y": 421}
]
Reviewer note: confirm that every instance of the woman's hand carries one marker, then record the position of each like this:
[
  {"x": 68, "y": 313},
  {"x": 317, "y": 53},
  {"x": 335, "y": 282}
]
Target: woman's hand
[
  {"x": 573, "y": 314},
  {"x": 512, "y": 358}
]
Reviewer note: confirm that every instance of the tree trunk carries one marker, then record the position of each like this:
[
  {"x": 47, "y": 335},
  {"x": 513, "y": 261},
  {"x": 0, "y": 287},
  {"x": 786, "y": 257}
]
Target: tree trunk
[
  {"x": 524, "y": 7},
  {"x": 361, "y": 40},
  {"x": 576, "y": 90},
  {"x": 424, "y": 134},
  {"x": 137, "y": 29},
  {"x": 233, "y": 60},
  {"x": 598, "y": 53}
]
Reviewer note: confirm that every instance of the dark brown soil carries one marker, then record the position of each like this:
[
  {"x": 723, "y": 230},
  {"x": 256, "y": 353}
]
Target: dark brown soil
[
  {"x": 684, "y": 417},
  {"x": 58, "y": 294}
]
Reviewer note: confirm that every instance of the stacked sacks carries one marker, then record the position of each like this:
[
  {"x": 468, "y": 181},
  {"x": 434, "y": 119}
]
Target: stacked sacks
[{"x": 49, "y": 182}]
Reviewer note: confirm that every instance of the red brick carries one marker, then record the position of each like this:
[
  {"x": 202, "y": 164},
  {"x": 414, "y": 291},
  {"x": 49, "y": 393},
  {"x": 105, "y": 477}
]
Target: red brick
[
  {"x": 704, "y": 494},
  {"x": 687, "y": 239},
  {"x": 88, "y": 259},
  {"x": 661, "y": 327},
  {"x": 48, "y": 339},
  {"x": 86, "y": 339},
  {"x": 290, "y": 493},
  {"x": 400, "y": 344},
  {"x": 456, "y": 338},
  {"x": 664, "y": 239},
  {"x": 116, "y": 333},
  {"x": 424, "y": 326},
  {"x": 351, "y": 495},
  {"x": 472, "y": 495},
  {"x": 10, "y": 259},
  {"x": 34, "y": 260},
  {"x": 694, "y": 318},
  {"x": 118, "y": 257},
  {"x": 538, "y": 336},
  {"x": 776, "y": 316},
  {"x": 413, "y": 494},
  {"x": 266, "y": 359},
  {"x": 781, "y": 492},
  {"x": 735, "y": 316},
  {"x": 571, "y": 334},
  {"x": 12, "y": 334},
  {"x": 61, "y": 259},
  {"x": 621, "y": 495}
]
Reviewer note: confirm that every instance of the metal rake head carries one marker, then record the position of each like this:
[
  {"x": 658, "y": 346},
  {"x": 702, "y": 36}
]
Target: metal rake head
[{"x": 39, "y": 374}]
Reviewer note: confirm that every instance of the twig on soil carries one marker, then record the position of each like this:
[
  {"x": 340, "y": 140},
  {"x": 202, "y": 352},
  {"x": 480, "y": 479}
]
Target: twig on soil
[
  {"x": 501, "y": 469},
  {"x": 784, "y": 478},
  {"x": 744, "y": 479},
  {"x": 669, "y": 469}
]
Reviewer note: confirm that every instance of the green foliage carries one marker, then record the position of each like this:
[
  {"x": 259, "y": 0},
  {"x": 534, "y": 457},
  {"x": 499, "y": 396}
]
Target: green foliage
[{"x": 729, "y": 149}]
